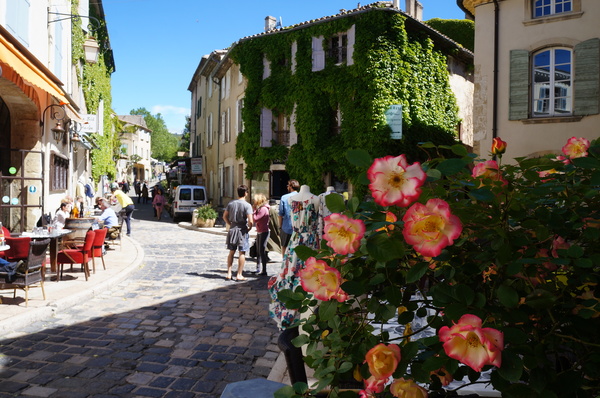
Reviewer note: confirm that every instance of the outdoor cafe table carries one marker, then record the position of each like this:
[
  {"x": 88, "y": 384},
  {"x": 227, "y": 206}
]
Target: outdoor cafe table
[{"x": 54, "y": 236}]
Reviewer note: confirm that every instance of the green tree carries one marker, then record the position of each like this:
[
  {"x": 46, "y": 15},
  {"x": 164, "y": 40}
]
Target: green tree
[
  {"x": 164, "y": 144},
  {"x": 184, "y": 144}
]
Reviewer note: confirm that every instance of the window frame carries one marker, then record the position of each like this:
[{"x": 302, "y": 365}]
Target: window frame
[
  {"x": 552, "y": 86},
  {"x": 554, "y": 4},
  {"x": 59, "y": 173}
]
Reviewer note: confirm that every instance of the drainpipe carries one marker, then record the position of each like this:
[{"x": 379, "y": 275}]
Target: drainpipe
[
  {"x": 218, "y": 82},
  {"x": 495, "y": 98}
]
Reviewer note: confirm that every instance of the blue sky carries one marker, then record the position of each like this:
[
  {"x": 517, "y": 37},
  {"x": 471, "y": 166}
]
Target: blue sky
[{"x": 158, "y": 44}]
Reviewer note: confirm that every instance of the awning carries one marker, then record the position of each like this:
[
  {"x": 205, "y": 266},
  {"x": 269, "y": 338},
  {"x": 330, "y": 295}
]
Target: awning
[{"x": 16, "y": 58}]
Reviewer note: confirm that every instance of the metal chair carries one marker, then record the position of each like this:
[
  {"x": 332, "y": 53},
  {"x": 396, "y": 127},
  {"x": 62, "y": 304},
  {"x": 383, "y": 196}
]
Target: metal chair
[{"x": 31, "y": 272}]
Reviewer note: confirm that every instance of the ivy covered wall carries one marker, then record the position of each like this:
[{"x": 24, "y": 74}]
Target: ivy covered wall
[
  {"x": 391, "y": 66},
  {"x": 95, "y": 80}
]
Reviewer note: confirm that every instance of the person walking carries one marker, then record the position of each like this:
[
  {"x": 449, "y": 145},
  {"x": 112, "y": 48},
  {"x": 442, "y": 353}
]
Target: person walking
[
  {"x": 238, "y": 216},
  {"x": 285, "y": 214},
  {"x": 158, "y": 203},
  {"x": 261, "y": 220},
  {"x": 126, "y": 204},
  {"x": 145, "y": 192}
]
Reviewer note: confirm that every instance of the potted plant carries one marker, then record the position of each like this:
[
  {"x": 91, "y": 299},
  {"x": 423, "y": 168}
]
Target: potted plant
[
  {"x": 484, "y": 267},
  {"x": 204, "y": 216}
]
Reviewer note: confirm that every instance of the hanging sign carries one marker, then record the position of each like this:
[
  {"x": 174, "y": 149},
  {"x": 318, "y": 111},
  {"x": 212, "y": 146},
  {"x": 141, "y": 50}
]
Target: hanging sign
[{"x": 394, "y": 119}]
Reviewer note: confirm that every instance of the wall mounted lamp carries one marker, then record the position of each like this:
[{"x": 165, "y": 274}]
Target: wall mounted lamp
[
  {"x": 58, "y": 113},
  {"x": 90, "y": 47},
  {"x": 74, "y": 130}
]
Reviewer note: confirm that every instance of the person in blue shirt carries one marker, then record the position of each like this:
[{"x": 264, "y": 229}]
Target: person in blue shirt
[{"x": 285, "y": 213}]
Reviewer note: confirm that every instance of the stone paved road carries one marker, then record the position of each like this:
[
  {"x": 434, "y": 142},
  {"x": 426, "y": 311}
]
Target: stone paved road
[{"x": 174, "y": 328}]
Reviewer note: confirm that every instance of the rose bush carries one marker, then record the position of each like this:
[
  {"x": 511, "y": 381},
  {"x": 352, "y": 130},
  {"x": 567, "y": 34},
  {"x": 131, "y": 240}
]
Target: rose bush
[{"x": 501, "y": 261}]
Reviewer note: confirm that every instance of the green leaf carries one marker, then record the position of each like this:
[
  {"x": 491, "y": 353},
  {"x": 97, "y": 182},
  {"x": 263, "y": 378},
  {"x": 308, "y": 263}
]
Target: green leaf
[
  {"x": 433, "y": 363},
  {"x": 482, "y": 194},
  {"x": 464, "y": 294},
  {"x": 507, "y": 296},
  {"x": 575, "y": 251},
  {"x": 427, "y": 145},
  {"x": 335, "y": 203},
  {"x": 354, "y": 288},
  {"x": 359, "y": 158},
  {"x": 459, "y": 150},
  {"x": 416, "y": 272},
  {"x": 385, "y": 248},
  {"x": 434, "y": 174},
  {"x": 586, "y": 163},
  {"x": 540, "y": 299},
  {"x": 512, "y": 367},
  {"x": 285, "y": 392},
  {"x": 584, "y": 263},
  {"x": 327, "y": 310},
  {"x": 304, "y": 252},
  {"x": 345, "y": 367},
  {"x": 451, "y": 166}
]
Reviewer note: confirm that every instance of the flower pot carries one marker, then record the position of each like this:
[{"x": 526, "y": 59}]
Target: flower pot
[{"x": 205, "y": 223}]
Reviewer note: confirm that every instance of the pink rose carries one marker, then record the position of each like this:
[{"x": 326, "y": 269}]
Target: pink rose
[
  {"x": 395, "y": 182},
  {"x": 343, "y": 234}
]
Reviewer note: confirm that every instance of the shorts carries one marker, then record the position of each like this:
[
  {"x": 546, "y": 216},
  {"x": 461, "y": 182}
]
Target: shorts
[{"x": 244, "y": 247}]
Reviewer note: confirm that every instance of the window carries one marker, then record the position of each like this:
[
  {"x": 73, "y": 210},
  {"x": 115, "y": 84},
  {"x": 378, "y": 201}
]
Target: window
[
  {"x": 17, "y": 19},
  {"x": 282, "y": 129},
  {"x": 226, "y": 126},
  {"x": 542, "y": 8},
  {"x": 338, "y": 48},
  {"x": 240, "y": 121},
  {"x": 59, "y": 173},
  {"x": 199, "y": 108},
  {"x": 552, "y": 83},
  {"x": 336, "y": 117},
  {"x": 209, "y": 132},
  {"x": 555, "y": 82}
]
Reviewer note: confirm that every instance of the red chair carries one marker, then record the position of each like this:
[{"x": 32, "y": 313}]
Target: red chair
[
  {"x": 81, "y": 255},
  {"x": 19, "y": 248},
  {"x": 98, "y": 246},
  {"x": 6, "y": 235}
]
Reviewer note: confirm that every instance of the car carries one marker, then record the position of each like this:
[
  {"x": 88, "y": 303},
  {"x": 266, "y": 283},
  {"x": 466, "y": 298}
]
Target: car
[{"x": 186, "y": 198}]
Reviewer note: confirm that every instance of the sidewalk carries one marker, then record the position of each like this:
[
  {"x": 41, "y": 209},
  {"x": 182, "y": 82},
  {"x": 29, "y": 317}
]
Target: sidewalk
[{"x": 120, "y": 261}]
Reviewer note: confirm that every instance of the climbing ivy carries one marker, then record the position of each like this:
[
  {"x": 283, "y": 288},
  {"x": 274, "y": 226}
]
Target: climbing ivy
[
  {"x": 391, "y": 66},
  {"x": 96, "y": 86},
  {"x": 461, "y": 31}
]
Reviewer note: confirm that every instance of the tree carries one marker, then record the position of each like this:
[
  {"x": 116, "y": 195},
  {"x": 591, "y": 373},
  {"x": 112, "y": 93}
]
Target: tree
[
  {"x": 184, "y": 144},
  {"x": 164, "y": 144}
]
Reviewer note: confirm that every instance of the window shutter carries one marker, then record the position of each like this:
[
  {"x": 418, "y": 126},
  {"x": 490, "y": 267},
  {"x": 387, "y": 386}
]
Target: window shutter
[
  {"x": 293, "y": 134},
  {"x": 294, "y": 51},
  {"x": 519, "y": 85},
  {"x": 587, "y": 77},
  {"x": 318, "y": 55},
  {"x": 266, "y": 68},
  {"x": 351, "y": 40},
  {"x": 266, "y": 127}
]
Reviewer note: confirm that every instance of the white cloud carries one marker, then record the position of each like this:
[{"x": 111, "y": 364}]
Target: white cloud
[{"x": 174, "y": 116}]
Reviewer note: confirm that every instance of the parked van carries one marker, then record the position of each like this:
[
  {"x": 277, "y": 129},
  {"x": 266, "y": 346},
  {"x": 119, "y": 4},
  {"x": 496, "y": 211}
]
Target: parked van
[{"x": 185, "y": 199}]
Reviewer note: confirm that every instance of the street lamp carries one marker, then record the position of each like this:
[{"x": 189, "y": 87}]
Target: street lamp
[{"x": 58, "y": 113}]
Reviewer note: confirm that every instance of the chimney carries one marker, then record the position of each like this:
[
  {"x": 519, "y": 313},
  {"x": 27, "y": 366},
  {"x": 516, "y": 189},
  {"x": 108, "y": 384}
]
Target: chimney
[
  {"x": 414, "y": 9},
  {"x": 396, "y": 4},
  {"x": 270, "y": 23}
]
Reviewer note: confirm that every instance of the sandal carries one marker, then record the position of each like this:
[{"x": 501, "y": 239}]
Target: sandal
[{"x": 241, "y": 278}]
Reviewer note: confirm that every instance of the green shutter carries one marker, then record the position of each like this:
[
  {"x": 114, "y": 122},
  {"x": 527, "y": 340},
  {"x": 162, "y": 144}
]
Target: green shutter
[
  {"x": 518, "y": 107},
  {"x": 587, "y": 78}
]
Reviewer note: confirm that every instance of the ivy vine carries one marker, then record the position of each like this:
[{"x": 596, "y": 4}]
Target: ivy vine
[
  {"x": 96, "y": 85},
  {"x": 391, "y": 66}
]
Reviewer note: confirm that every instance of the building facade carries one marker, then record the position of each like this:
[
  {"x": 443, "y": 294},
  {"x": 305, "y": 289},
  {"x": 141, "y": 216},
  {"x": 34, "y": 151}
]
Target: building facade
[
  {"x": 45, "y": 127},
  {"x": 537, "y": 71},
  {"x": 135, "y": 154},
  {"x": 292, "y": 100}
]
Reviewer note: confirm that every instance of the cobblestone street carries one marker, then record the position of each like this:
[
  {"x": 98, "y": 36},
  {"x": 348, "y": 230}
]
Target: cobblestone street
[{"x": 174, "y": 328}]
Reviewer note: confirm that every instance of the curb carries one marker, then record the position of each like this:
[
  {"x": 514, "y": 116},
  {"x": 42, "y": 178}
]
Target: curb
[{"x": 20, "y": 321}]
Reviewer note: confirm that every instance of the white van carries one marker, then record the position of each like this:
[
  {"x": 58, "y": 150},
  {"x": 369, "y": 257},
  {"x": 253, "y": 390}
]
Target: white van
[{"x": 185, "y": 199}]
